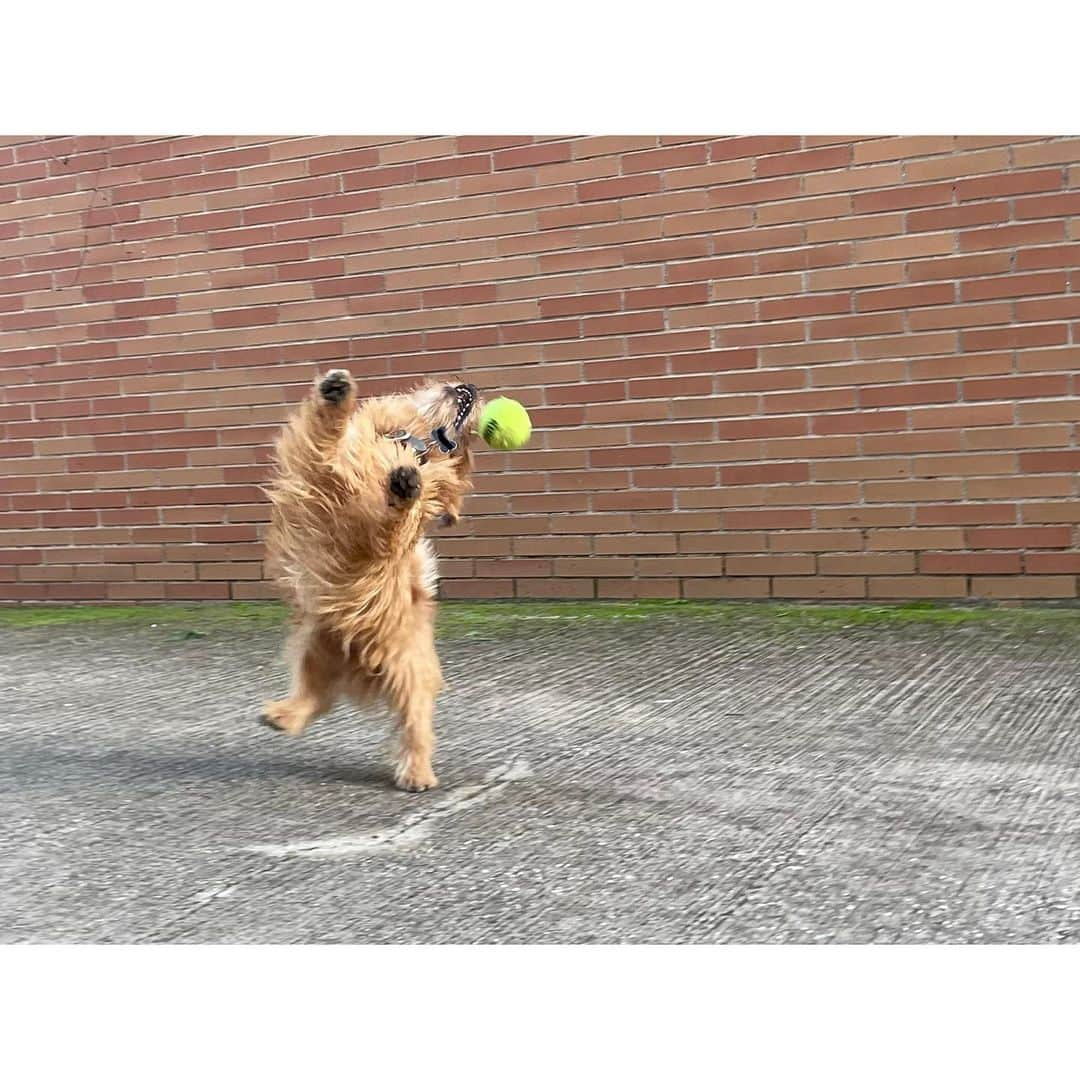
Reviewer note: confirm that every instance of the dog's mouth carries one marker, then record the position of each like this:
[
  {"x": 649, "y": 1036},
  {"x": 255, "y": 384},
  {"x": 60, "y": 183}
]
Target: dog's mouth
[{"x": 465, "y": 396}]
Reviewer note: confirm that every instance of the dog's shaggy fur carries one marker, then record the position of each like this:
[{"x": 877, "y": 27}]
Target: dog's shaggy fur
[{"x": 347, "y": 544}]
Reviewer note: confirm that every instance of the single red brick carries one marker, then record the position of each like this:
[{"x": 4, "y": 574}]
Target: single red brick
[
  {"x": 526, "y": 156},
  {"x": 673, "y": 158},
  {"x": 1013, "y": 285},
  {"x": 253, "y": 316},
  {"x": 353, "y": 285},
  {"x": 902, "y": 198},
  {"x": 958, "y": 217},
  {"x": 779, "y": 473},
  {"x": 949, "y": 562},
  {"x": 899, "y": 588},
  {"x": 1008, "y": 236},
  {"x": 1024, "y": 386},
  {"x": 769, "y": 565},
  {"x": 758, "y": 192},
  {"x": 644, "y": 588},
  {"x": 1057, "y": 307},
  {"x": 346, "y": 161},
  {"x": 861, "y": 563},
  {"x": 477, "y": 590},
  {"x": 806, "y": 161},
  {"x": 773, "y": 427},
  {"x": 556, "y": 588},
  {"x": 620, "y": 188},
  {"x": 745, "y": 146},
  {"x": 1047, "y": 258},
  {"x": 1066, "y": 204},
  {"x": 1001, "y": 588},
  {"x": 387, "y": 176},
  {"x": 959, "y": 416},
  {"x": 546, "y": 330},
  {"x": 1050, "y": 461},
  {"x": 1051, "y": 536},
  {"x": 1014, "y": 337},
  {"x": 469, "y": 165},
  {"x": 1017, "y": 183},
  {"x": 1046, "y": 562},
  {"x": 842, "y": 423},
  {"x": 915, "y": 393},
  {"x": 966, "y": 514},
  {"x": 819, "y": 588},
  {"x": 633, "y": 500},
  {"x": 908, "y": 296}
]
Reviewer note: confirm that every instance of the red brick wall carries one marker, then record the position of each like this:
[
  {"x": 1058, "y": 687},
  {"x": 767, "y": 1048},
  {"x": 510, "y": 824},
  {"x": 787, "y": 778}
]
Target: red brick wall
[{"x": 786, "y": 366}]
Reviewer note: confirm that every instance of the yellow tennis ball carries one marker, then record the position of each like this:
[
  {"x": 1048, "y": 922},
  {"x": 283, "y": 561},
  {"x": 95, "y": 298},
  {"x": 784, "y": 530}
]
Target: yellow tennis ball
[{"x": 504, "y": 424}]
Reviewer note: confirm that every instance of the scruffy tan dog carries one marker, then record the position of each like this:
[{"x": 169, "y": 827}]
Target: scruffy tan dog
[{"x": 356, "y": 485}]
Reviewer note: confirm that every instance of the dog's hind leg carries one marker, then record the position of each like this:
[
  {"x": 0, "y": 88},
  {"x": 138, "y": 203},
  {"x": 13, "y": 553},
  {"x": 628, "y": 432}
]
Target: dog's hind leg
[
  {"x": 316, "y": 682},
  {"x": 412, "y": 686}
]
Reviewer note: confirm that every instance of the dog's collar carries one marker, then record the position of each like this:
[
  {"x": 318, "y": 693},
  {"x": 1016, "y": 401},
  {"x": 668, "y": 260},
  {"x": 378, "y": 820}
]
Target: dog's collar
[
  {"x": 421, "y": 447},
  {"x": 466, "y": 398}
]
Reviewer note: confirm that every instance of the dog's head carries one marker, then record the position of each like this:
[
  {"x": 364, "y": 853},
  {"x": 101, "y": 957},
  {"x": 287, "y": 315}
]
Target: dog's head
[
  {"x": 453, "y": 407},
  {"x": 438, "y": 417}
]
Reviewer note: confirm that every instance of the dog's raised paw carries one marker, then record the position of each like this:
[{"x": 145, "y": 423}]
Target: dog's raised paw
[
  {"x": 335, "y": 386},
  {"x": 405, "y": 483}
]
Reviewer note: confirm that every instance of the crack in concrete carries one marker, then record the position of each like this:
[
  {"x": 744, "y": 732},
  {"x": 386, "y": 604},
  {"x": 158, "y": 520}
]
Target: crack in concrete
[{"x": 408, "y": 832}]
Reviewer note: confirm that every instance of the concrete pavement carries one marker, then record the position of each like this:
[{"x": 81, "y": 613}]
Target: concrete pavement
[{"x": 739, "y": 775}]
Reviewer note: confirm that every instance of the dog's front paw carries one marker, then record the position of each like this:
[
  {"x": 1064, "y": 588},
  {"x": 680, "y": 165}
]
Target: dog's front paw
[
  {"x": 415, "y": 778},
  {"x": 335, "y": 386},
  {"x": 404, "y": 484},
  {"x": 282, "y": 716}
]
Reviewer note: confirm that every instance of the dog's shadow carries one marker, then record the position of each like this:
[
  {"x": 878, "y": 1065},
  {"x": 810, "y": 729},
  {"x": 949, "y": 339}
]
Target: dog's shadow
[{"x": 28, "y": 765}]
